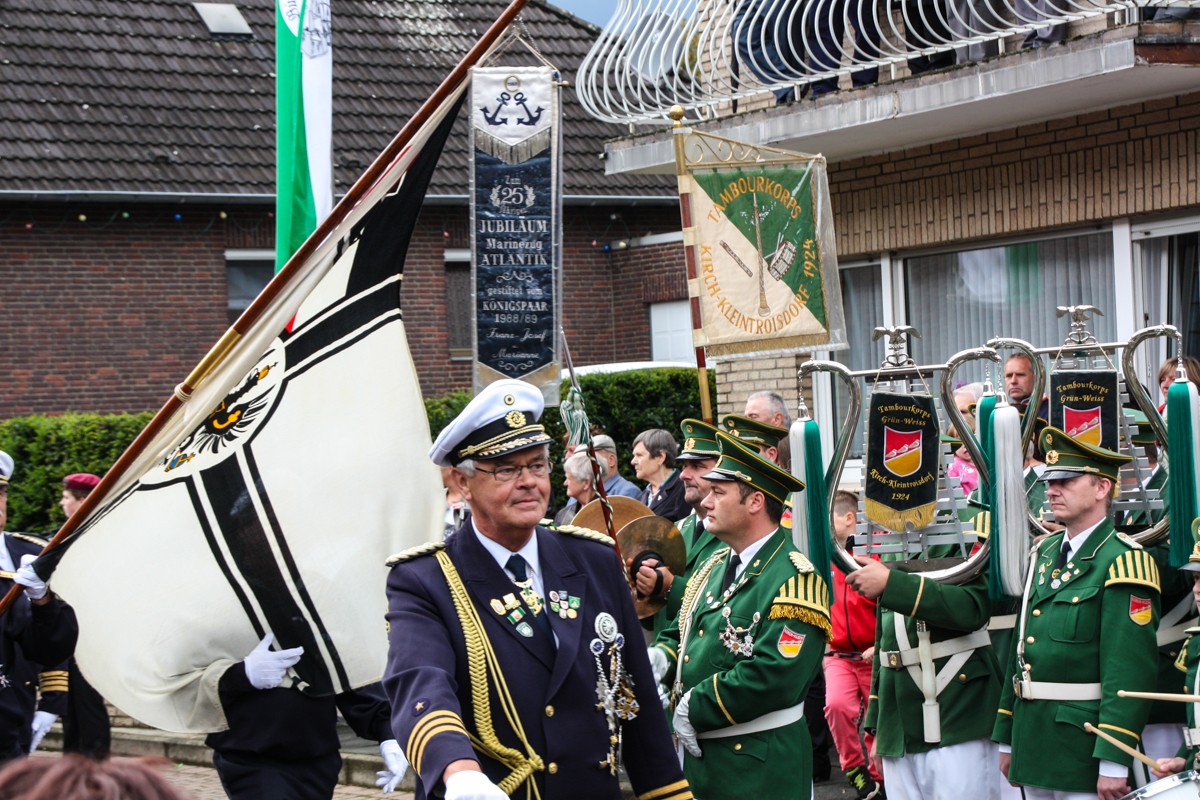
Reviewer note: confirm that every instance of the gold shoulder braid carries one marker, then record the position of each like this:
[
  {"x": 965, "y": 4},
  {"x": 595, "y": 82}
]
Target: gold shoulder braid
[
  {"x": 1134, "y": 566},
  {"x": 414, "y": 552},
  {"x": 29, "y": 537},
  {"x": 482, "y": 663},
  {"x": 698, "y": 581},
  {"x": 804, "y": 597},
  {"x": 586, "y": 533}
]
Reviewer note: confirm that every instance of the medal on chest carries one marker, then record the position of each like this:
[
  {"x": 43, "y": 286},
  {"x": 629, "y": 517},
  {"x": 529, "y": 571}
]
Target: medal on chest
[
  {"x": 563, "y": 604},
  {"x": 614, "y": 689},
  {"x": 740, "y": 641}
]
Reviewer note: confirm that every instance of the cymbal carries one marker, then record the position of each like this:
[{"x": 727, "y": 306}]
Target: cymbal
[
  {"x": 652, "y": 537},
  {"x": 625, "y": 510}
]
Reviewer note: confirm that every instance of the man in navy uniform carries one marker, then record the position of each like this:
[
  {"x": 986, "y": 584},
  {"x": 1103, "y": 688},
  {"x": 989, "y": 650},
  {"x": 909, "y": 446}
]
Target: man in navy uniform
[
  {"x": 517, "y": 659},
  {"x": 38, "y": 628}
]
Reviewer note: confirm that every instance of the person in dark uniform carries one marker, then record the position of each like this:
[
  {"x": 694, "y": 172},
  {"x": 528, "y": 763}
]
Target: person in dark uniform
[
  {"x": 504, "y": 637},
  {"x": 282, "y": 744},
  {"x": 86, "y": 728},
  {"x": 39, "y": 628}
]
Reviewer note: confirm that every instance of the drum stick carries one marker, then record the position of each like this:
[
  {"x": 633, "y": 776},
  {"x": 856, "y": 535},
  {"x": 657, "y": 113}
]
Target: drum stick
[
  {"x": 1172, "y": 698},
  {"x": 1145, "y": 759}
]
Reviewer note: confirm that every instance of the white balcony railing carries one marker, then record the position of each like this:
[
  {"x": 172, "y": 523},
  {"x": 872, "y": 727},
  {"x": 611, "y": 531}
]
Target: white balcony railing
[{"x": 707, "y": 54}]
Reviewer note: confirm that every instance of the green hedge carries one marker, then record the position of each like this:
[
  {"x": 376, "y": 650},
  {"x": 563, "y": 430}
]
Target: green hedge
[
  {"x": 622, "y": 403},
  {"x": 45, "y": 449}
]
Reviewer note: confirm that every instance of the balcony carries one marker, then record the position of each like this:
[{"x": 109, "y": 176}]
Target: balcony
[{"x": 746, "y": 88}]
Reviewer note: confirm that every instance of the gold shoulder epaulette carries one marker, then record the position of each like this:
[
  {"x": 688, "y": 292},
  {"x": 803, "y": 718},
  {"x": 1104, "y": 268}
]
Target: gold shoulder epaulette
[
  {"x": 29, "y": 537},
  {"x": 1127, "y": 540},
  {"x": 415, "y": 552},
  {"x": 983, "y": 525},
  {"x": 804, "y": 597},
  {"x": 1134, "y": 566},
  {"x": 547, "y": 523},
  {"x": 1181, "y": 661},
  {"x": 587, "y": 533}
]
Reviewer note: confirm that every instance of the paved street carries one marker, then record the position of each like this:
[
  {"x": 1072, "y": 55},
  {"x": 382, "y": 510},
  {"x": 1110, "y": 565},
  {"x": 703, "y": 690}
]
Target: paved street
[{"x": 202, "y": 783}]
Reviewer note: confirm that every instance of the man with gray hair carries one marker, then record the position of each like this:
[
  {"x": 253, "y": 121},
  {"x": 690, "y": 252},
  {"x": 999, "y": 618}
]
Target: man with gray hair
[
  {"x": 770, "y": 407},
  {"x": 606, "y": 454}
]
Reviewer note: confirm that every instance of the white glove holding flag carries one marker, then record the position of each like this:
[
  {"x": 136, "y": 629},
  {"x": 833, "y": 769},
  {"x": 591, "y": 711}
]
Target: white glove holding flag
[
  {"x": 658, "y": 663},
  {"x": 471, "y": 785},
  {"x": 396, "y": 763},
  {"x": 684, "y": 731},
  {"x": 35, "y": 587},
  {"x": 42, "y": 720},
  {"x": 265, "y": 667}
]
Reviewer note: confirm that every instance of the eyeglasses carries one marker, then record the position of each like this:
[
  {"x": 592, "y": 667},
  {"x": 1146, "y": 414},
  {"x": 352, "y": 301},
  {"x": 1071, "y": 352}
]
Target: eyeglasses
[{"x": 538, "y": 469}]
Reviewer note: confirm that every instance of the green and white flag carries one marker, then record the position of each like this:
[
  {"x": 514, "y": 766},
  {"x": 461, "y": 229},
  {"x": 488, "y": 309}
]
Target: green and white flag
[{"x": 304, "y": 121}]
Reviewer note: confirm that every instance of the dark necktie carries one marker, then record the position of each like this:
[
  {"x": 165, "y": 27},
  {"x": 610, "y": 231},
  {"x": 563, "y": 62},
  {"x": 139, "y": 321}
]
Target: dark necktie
[
  {"x": 520, "y": 570},
  {"x": 1062, "y": 556},
  {"x": 730, "y": 572}
]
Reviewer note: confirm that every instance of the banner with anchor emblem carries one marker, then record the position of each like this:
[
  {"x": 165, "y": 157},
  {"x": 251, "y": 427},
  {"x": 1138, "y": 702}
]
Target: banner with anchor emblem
[
  {"x": 762, "y": 245},
  {"x": 1085, "y": 405},
  {"x": 516, "y": 218},
  {"x": 902, "y": 460},
  {"x": 273, "y": 497}
]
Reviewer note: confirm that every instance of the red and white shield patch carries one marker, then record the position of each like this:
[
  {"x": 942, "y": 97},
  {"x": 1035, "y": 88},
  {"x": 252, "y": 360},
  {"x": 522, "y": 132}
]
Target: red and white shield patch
[
  {"x": 790, "y": 642},
  {"x": 1140, "y": 610}
]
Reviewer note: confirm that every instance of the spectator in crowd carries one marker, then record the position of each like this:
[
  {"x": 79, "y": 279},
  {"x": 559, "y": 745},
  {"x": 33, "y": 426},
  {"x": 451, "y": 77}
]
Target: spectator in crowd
[
  {"x": 769, "y": 407},
  {"x": 74, "y": 777},
  {"x": 768, "y": 43},
  {"x": 653, "y": 460},
  {"x": 925, "y": 26},
  {"x": 824, "y": 28},
  {"x": 1166, "y": 375},
  {"x": 457, "y": 509},
  {"x": 971, "y": 18},
  {"x": 606, "y": 453},
  {"x": 1034, "y": 10},
  {"x": 848, "y": 662},
  {"x": 578, "y": 469},
  {"x": 962, "y": 467},
  {"x": 86, "y": 728}
]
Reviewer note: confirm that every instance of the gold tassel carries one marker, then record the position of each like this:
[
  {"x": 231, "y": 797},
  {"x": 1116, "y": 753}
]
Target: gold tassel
[
  {"x": 895, "y": 520},
  {"x": 804, "y": 614}
]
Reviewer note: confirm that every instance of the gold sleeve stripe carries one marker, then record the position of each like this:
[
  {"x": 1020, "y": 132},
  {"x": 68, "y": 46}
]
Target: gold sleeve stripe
[
  {"x": 53, "y": 684},
  {"x": 1004, "y": 711},
  {"x": 449, "y": 727},
  {"x": 872, "y": 697},
  {"x": 54, "y": 673},
  {"x": 1181, "y": 662},
  {"x": 920, "y": 591},
  {"x": 663, "y": 790},
  {"x": 663, "y": 647},
  {"x": 1136, "y": 567},
  {"x": 1136, "y": 738},
  {"x": 425, "y": 722},
  {"x": 724, "y": 710}
]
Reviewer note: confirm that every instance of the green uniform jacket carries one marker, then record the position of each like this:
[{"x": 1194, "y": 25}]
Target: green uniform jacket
[
  {"x": 1187, "y": 663},
  {"x": 1097, "y": 626},
  {"x": 787, "y": 647},
  {"x": 894, "y": 709},
  {"x": 700, "y": 548}
]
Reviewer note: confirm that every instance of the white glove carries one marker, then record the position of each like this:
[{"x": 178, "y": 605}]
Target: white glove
[
  {"x": 397, "y": 765},
  {"x": 42, "y": 720},
  {"x": 471, "y": 785},
  {"x": 35, "y": 587},
  {"x": 658, "y": 663},
  {"x": 265, "y": 667},
  {"x": 684, "y": 731}
]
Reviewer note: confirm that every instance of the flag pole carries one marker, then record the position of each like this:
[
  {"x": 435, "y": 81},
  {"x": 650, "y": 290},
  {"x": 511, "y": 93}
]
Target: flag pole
[
  {"x": 246, "y": 321},
  {"x": 689, "y": 256}
]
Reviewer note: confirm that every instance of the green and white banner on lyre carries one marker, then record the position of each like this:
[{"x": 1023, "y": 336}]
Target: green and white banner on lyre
[
  {"x": 304, "y": 122},
  {"x": 762, "y": 241}
]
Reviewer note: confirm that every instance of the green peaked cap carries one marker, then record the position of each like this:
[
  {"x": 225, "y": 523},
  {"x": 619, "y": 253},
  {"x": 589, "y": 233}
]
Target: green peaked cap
[
  {"x": 699, "y": 440},
  {"x": 1069, "y": 458},
  {"x": 1193, "y": 564},
  {"x": 740, "y": 463},
  {"x": 751, "y": 430},
  {"x": 1143, "y": 435}
]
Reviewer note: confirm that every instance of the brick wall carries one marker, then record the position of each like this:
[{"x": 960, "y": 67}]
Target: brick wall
[{"x": 1126, "y": 161}]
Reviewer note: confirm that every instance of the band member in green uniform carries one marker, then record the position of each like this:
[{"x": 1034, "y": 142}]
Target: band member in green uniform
[
  {"x": 1086, "y": 630},
  {"x": 751, "y": 636},
  {"x": 1187, "y": 666}
]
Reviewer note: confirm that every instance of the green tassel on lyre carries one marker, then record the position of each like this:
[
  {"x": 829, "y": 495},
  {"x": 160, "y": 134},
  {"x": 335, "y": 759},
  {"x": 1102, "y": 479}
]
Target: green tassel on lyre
[
  {"x": 817, "y": 495},
  {"x": 1183, "y": 436}
]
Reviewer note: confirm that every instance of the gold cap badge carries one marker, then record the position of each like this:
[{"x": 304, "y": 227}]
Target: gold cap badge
[{"x": 515, "y": 419}]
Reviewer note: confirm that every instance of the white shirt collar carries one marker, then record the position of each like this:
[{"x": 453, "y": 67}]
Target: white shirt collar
[
  {"x": 1038, "y": 469},
  {"x": 747, "y": 555},
  {"x": 502, "y": 554},
  {"x": 1076, "y": 542}
]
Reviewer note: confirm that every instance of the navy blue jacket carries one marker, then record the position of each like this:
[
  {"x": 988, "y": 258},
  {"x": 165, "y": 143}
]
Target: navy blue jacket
[{"x": 554, "y": 691}]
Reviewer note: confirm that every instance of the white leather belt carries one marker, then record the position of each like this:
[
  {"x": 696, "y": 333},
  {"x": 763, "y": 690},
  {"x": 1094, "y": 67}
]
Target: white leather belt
[
  {"x": 1003, "y": 622},
  {"x": 775, "y": 719},
  {"x": 900, "y": 659},
  {"x": 1045, "y": 690}
]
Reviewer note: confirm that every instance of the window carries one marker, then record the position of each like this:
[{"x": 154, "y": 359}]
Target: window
[
  {"x": 459, "y": 307},
  {"x": 862, "y": 300},
  {"x": 671, "y": 332},
  {"x": 963, "y": 299},
  {"x": 247, "y": 272}
]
